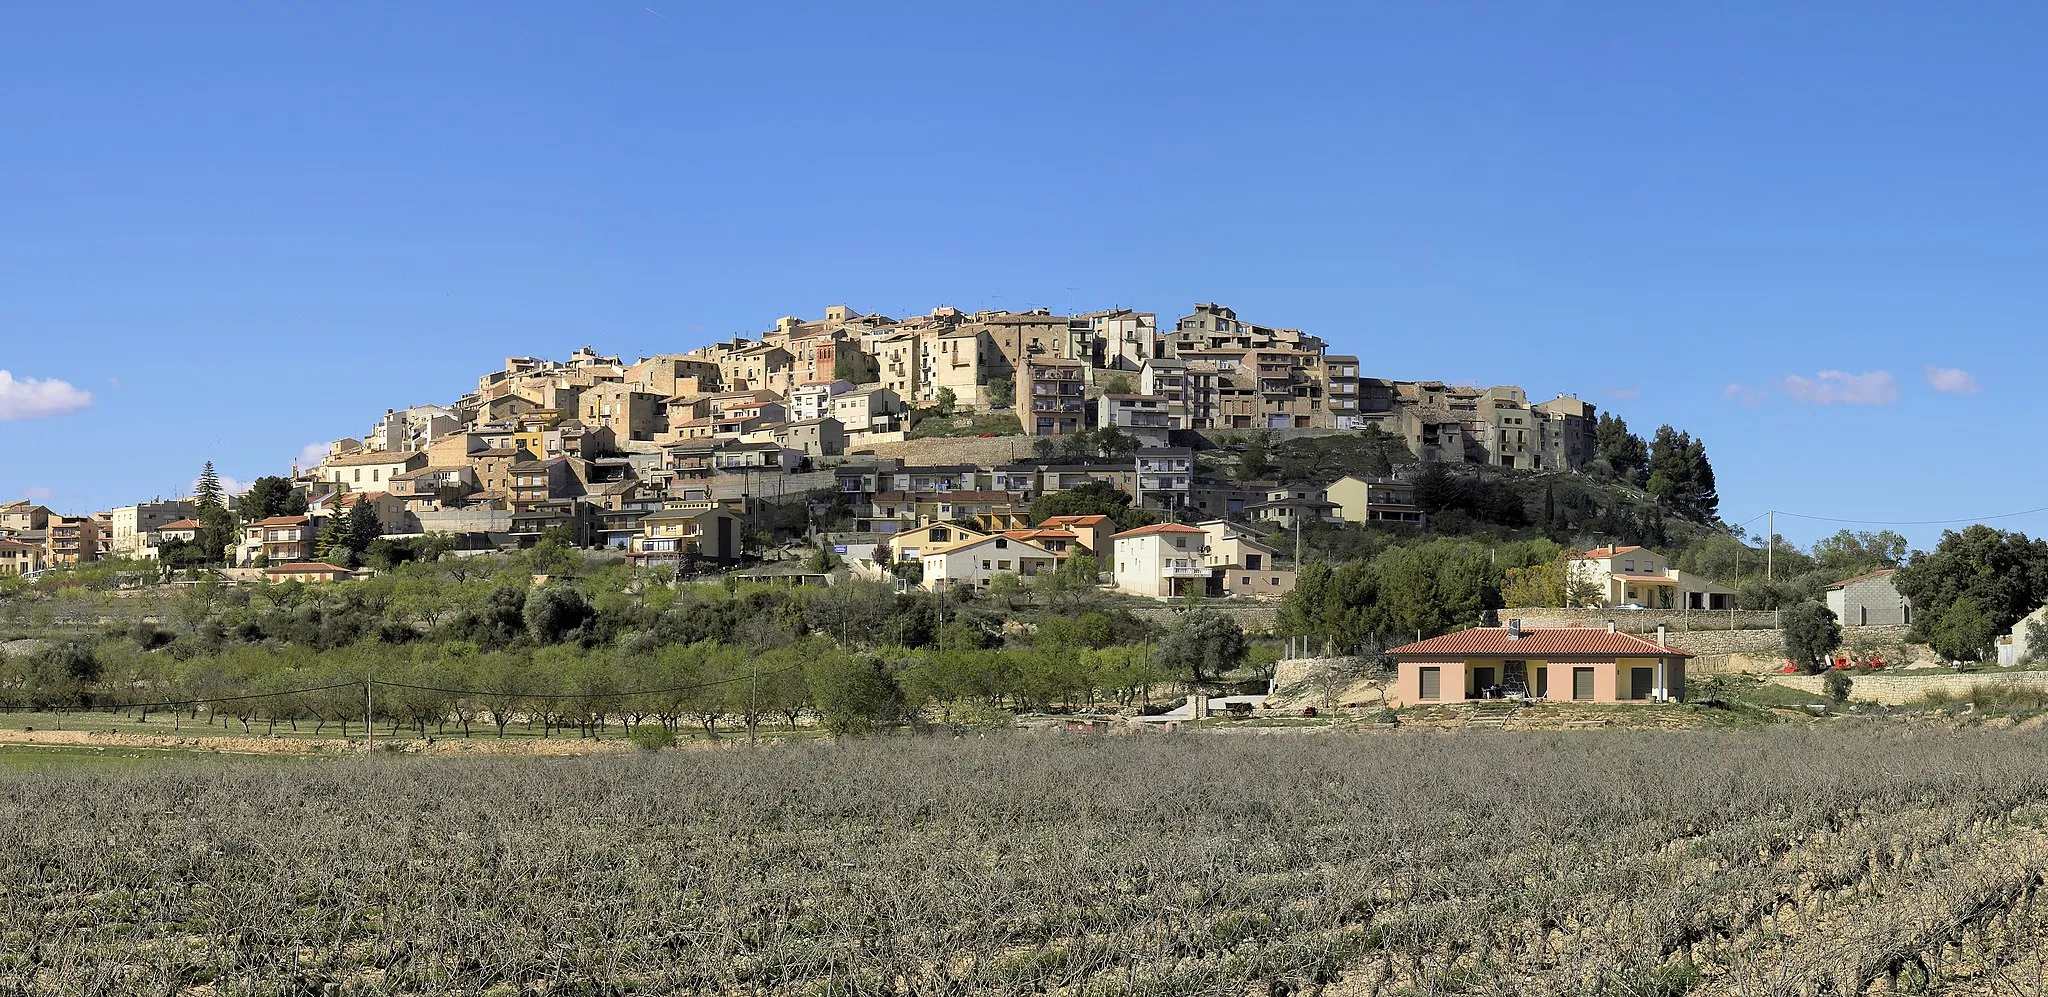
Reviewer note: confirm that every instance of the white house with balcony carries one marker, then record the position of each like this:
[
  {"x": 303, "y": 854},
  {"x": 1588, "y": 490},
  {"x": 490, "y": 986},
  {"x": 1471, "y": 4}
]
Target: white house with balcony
[
  {"x": 1641, "y": 577},
  {"x": 1164, "y": 559}
]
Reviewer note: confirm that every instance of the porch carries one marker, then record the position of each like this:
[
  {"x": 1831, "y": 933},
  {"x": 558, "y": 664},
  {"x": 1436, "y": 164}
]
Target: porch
[{"x": 1634, "y": 680}]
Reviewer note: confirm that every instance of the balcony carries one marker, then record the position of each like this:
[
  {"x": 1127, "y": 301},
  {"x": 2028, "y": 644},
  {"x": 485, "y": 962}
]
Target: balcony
[
  {"x": 1162, "y": 484},
  {"x": 1141, "y": 420},
  {"x": 1056, "y": 406},
  {"x": 1183, "y": 569}
]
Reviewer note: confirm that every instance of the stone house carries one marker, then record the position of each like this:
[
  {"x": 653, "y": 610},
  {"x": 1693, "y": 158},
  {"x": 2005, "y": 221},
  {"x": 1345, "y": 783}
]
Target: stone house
[{"x": 1870, "y": 600}]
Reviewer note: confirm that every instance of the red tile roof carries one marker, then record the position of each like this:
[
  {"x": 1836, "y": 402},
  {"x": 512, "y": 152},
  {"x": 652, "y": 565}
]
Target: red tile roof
[
  {"x": 1864, "y": 578},
  {"x": 1157, "y": 528},
  {"x": 305, "y": 568},
  {"x": 183, "y": 524},
  {"x": 1603, "y": 552},
  {"x": 1071, "y": 521},
  {"x": 283, "y": 521},
  {"x": 1561, "y": 642}
]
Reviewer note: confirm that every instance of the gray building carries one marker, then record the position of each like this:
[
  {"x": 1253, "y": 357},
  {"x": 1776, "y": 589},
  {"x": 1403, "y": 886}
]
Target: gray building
[{"x": 1869, "y": 600}]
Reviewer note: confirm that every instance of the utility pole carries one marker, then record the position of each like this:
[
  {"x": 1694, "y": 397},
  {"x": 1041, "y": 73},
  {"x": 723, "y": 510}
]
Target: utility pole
[
  {"x": 1297, "y": 539},
  {"x": 369, "y": 730},
  {"x": 753, "y": 697},
  {"x": 1770, "y": 545}
]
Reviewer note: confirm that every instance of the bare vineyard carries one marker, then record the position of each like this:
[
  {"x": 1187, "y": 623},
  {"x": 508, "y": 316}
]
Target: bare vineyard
[{"x": 1600, "y": 864}]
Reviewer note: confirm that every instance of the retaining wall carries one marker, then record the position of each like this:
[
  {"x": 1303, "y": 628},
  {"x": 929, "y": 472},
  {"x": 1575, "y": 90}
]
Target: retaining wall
[
  {"x": 958, "y": 450},
  {"x": 1897, "y": 689},
  {"x": 1646, "y": 621}
]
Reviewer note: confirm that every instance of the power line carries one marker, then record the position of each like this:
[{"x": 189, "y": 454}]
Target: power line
[{"x": 1922, "y": 522}]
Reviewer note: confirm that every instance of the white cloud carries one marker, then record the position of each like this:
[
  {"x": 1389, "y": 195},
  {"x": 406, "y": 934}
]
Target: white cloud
[
  {"x": 38, "y": 493},
  {"x": 1953, "y": 380},
  {"x": 1743, "y": 394},
  {"x": 312, "y": 455},
  {"x": 29, "y": 398},
  {"x": 1835, "y": 387}
]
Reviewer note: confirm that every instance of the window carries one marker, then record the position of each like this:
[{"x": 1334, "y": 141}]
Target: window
[
  {"x": 1582, "y": 684},
  {"x": 1431, "y": 683},
  {"x": 1002, "y": 565},
  {"x": 984, "y": 565}
]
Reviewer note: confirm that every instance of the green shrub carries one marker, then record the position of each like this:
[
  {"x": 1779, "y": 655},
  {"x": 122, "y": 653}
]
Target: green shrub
[{"x": 652, "y": 737}]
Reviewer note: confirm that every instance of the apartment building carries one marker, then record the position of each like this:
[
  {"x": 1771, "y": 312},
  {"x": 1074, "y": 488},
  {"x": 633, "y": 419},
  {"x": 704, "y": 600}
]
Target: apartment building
[
  {"x": 538, "y": 481},
  {"x": 131, "y": 527},
  {"x": 1166, "y": 478},
  {"x": 1142, "y": 416},
  {"x": 1120, "y": 339},
  {"x": 73, "y": 540},
  {"x": 1051, "y": 397},
  {"x": 813, "y": 399},
  {"x": 1167, "y": 377}
]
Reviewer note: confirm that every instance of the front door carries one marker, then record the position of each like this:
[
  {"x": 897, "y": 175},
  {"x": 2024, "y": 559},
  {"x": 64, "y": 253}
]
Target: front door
[
  {"x": 1482, "y": 680},
  {"x": 1639, "y": 682},
  {"x": 1582, "y": 684}
]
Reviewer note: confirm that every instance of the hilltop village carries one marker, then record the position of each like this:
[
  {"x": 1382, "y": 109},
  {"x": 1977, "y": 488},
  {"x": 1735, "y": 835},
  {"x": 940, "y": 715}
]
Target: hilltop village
[{"x": 917, "y": 448}]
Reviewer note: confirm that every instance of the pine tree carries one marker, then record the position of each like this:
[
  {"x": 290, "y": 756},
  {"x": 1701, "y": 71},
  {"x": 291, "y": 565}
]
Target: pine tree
[
  {"x": 363, "y": 528},
  {"x": 209, "y": 492},
  {"x": 337, "y": 542}
]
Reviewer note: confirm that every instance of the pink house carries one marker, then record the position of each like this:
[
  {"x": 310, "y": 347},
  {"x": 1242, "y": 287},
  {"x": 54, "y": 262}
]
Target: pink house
[{"x": 1569, "y": 664}]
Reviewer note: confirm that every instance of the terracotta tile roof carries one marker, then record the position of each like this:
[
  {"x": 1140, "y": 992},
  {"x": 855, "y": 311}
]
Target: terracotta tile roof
[
  {"x": 1159, "y": 528},
  {"x": 361, "y": 457},
  {"x": 1864, "y": 578},
  {"x": 1561, "y": 642},
  {"x": 283, "y": 521},
  {"x": 183, "y": 524},
  {"x": 1071, "y": 521},
  {"x": 1606, "y": 552}
]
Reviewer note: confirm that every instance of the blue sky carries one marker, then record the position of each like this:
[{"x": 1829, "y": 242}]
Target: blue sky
[{"x": 244, "y": 228}]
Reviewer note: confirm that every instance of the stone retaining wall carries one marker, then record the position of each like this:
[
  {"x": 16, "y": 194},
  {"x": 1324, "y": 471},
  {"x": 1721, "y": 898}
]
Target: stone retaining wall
[
  {"x": 1646, "y": 621},
  {"x": 958, "y": 450},
  {"x": 1901, "y": 688}
]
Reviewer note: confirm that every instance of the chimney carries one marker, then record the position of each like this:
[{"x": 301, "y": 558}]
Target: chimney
[
  {"x": 1515, "y": 629},
  {"x": 1660, "y": 636},
  {"x": 1610, "y": 626}
]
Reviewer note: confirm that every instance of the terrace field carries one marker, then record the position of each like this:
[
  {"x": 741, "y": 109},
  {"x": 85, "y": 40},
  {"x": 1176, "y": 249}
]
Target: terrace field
[{"x": 1788, "y": 861}]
